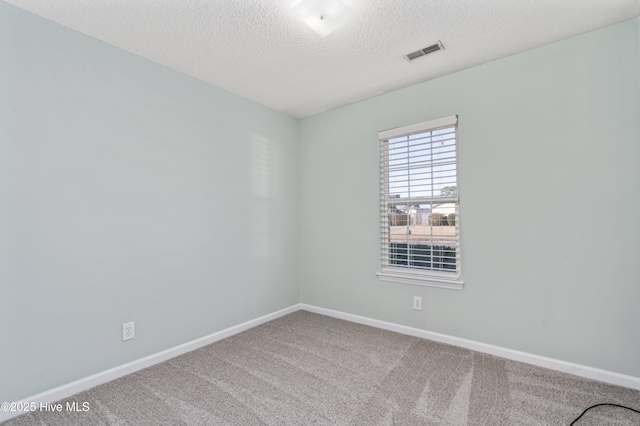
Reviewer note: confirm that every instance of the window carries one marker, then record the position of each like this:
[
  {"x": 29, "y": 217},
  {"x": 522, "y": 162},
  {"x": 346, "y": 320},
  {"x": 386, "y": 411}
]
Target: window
[{"x": 419, "y": 206}]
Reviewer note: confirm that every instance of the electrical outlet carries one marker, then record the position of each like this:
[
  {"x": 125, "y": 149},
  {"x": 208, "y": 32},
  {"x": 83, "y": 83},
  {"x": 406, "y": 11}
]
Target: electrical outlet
[
  {"x": 128, "y": 330},
  {"x": 417, "y": 303}
]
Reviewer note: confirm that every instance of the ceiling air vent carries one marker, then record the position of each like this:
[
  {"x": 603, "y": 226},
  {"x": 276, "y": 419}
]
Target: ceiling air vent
[{"x": 429, "y": 49}]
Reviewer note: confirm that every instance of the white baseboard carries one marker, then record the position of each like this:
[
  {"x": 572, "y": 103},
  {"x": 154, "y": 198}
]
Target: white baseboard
[
  {"x": 86, "y": 383},
  {"x": 73, "y": 388},
  {"x": 541, "y": 361}
]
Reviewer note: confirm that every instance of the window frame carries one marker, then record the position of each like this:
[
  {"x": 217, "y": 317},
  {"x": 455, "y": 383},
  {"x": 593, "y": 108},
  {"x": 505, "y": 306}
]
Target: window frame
[{"x": 408, "y": 275}]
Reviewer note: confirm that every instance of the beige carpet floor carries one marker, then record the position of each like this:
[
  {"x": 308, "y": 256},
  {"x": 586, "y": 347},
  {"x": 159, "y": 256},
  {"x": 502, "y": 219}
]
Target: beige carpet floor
[{"x": 309, "y": 369}]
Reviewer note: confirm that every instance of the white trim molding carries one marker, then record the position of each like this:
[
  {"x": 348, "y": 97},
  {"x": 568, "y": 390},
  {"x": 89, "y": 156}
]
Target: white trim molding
[
  {"x": 541, "y": 361},
  {"x": 415, "y": 278},
  {"x": 65, "y": 391},
  {"x": 451, "y": 120}
]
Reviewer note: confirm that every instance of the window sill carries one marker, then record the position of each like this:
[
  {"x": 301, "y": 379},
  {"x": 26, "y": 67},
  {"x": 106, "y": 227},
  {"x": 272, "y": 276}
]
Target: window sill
[{"x": 420, "y": 279}]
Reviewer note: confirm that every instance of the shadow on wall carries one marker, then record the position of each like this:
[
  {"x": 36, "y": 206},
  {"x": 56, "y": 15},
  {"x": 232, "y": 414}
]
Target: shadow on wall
[{"x": 264, "y": 187}]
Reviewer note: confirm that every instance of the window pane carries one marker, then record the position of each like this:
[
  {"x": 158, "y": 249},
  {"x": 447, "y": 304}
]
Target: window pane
[
  {"x": 398, "y": 222},
  {"x": 421, "y": 165},
  {"x": 419, "y": 186}
]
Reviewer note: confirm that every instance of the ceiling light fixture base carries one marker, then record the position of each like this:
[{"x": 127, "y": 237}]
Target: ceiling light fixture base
[{"x": 323, "y": 16}]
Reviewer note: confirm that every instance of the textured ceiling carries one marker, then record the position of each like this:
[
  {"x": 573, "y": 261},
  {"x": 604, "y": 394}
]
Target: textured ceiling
[{"x": 258, "y": 49}]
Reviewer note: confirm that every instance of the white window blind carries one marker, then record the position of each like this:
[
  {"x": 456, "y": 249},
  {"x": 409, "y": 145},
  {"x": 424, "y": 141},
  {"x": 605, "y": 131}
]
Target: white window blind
[{"x": 419, "y": 205}]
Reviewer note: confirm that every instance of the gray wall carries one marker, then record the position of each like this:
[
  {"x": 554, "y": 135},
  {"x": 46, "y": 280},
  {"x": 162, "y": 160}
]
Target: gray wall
[
  {"x": 130, "y": 192},
  {"x": 550, "y": 202}
]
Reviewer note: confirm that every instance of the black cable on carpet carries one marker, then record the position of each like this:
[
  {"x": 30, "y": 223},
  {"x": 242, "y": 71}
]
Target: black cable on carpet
[{"x": 600, "y": 405}]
